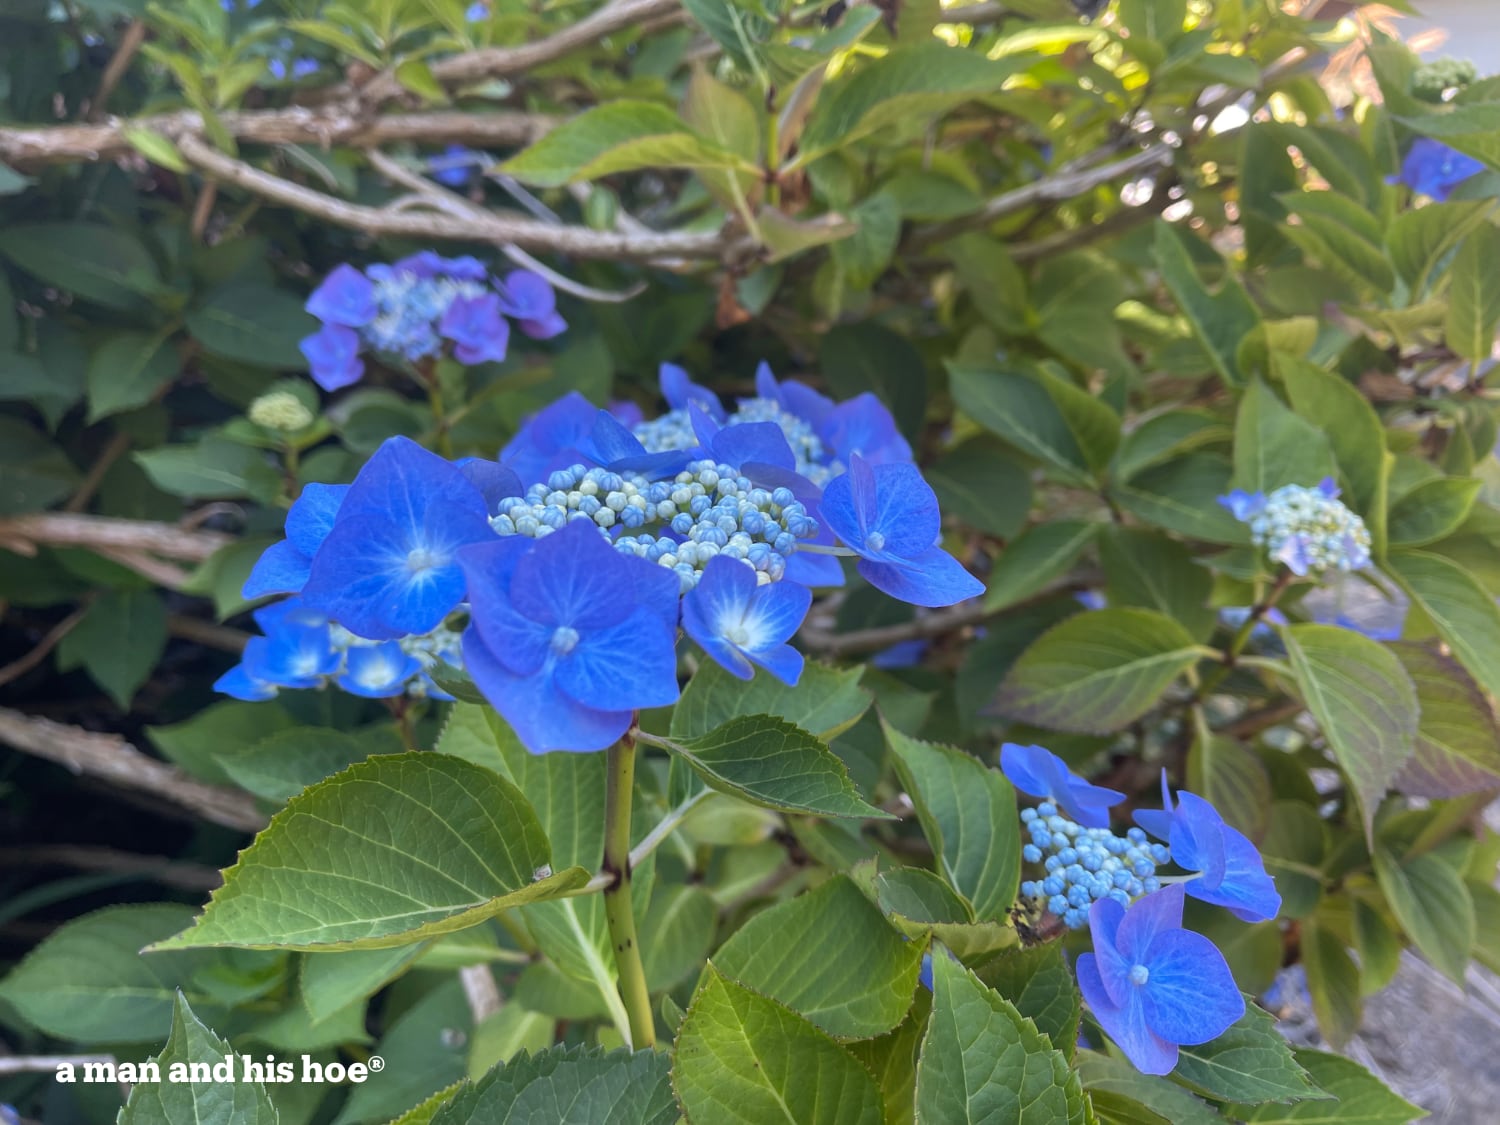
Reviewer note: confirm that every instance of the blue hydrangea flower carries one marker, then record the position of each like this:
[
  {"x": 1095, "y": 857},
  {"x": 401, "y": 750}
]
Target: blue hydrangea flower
[
  {"x": 889, "y": 516},
  {"x": 345, "y": 297},
  {"x": 864, "y": 427},
  {"x": 529, "y": 300},
  {"x": 551, "y": 437},
  {"x": 283, "y": 567},
  {"x": 569, "y": 637},
  {"x": 333, "y": 356},
  {"x": 388, "y": 567},
  {"x": 793, "y": 397},
  {"x": 295, "y": 652},
  {"x": 1308, "y": 529},
  {"x": 477, "y": 11},
  {"x": 738, "y": 620},
  {"x": 1434, "y": 169},
  {"x": 1152, "y": 985},
  {"x": 478, "y": 331},
  {"x": 378, "y": 671},
  {"x": 1041, "y": 773},
  {"x": 611, "y": 446},
  {"x": 758, "y": 449},
  {"x": 1231, "y": 871},
  {"x": 1083, "y": 865},
  {"x": 681, "y": 393},
  {"x": 456, "y": 166}
]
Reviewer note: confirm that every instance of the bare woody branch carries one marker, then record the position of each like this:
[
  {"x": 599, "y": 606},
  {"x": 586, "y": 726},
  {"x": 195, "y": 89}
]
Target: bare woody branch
[
  {"x": 24, "y": 534},
  {"x": 110, "y": 758}
]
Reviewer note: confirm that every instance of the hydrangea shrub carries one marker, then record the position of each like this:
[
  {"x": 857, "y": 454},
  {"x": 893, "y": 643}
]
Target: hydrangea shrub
[{"x": 879, "y": 565}]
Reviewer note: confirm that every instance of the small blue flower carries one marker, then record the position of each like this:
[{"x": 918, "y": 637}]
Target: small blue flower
[
  {"x": 1041, "y": 773},
  {"x": 1091, "y": 599},
  {"x": 793, "y": 397},
  {"x": 283, "y": 567},
  {"x": 530, "y": 301},
  {"x": 477, "y": 11},
  {"x": 1243, "y": 505},
  {"x": 902, "y": 654},
  {"x": 345, "y": 297},
  {"x": 864, "y": 427},
  {"x": 298, "y": 652},
  {"x": 333, "y": 356},
  {"x": 1308, "y": 529},
  {"x": 757, "y": 449},
  {"x": 569, "y": 637},
  {"x": 475, "y": 325},
  {"x": 889, "y": 516},
  {"x": 611, "y": 446},
  {"x": 1232, "y": 874},
  {"x": 681, "y": 393},
  {"x": 1434, "y": 169},
  {"x": 1152, "y": 985},
  {"x": 737, "y": 621},
  {"x": 304, "y": 68},
  {"x": 240, "y": 682},
  {"x": 378, "y": 671},
  {"x": 550, "y": 439},
  {"x": 456, "y": 166},
  {"x": 388, "y": 567}
]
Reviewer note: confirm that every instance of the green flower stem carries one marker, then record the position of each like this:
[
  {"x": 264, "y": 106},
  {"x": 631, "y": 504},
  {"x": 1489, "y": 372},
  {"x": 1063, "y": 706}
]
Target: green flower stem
[
  {"x": 618, "y": 909},
  {"x": 428, "y": 377},
  {"x": 1242, "y": 636}
]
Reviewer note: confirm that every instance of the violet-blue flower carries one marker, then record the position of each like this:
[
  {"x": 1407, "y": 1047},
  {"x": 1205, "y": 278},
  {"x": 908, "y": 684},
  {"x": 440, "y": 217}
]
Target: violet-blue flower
[
  {"x": 793, "y": 397},
  {"x": 283, "y": 567},
  {"x": 1152, "y": 985},
  {"x": 333, "y": 356},
  {"x": 529, "y": 300},
  {"x": 550, "y": 438},
  {"x": 681, "y": 393},
  {"x": 1230, "y": 870},
  {"x": 346, "y": 297},
  {"x": 474, "y": 324},
  {"x": 388, "y": 566},
  {"x": 739, "y": 621},
  {"x": 1308, "y": 529},
  {"x": 378, "y": 671},
  {"x": 569, "y": 638},
  {"x": 889, "y": 516},
  {"x": 1041, "y": 773},
  {"x": 864, "y": 426},
  {"x": 1434, "y": 169}
]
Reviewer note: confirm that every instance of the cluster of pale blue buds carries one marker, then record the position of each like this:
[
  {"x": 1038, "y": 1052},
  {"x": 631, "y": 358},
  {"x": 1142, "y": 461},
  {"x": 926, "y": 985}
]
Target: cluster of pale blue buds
[
  {"x": 1308, "y": 529},
  {"x": 1084, "y": 865},
  {"x": 674, "y": 430}
]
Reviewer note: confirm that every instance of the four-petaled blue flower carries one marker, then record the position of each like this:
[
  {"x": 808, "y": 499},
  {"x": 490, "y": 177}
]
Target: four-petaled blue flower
[
  {"x": 551, "y": 437},
  {"x": 455, "y": 167},
  {"x": 1231, "y": 872},
  {"x": 333, "y": 356},
  {"x": 681, "y": 393},
  {"x": 283, "y": 567},
  {"x": 474, "y": 324},
  {"x": 388, "y": 567},
  {"x": 378, "y": 671},
  {"x": 889, "y": 516},
  {"x": 738, "y": 621},
  {"x": 569, "y": 637},
  {"x": 1041, "y": 773},
  {"x": 1434, "y": 169},
  {"x": 529, "y": 300},
  {"x": 1152, "y": 985},
  {"x": 345, "y": 297}
]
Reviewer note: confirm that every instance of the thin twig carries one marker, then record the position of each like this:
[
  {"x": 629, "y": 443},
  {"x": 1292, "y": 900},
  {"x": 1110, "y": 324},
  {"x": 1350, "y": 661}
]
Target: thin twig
[
  {"x": 23, "y": 664},
  {"x": 110, "y": 758},
  {"x": 159, "y": 869},
  {"x": 112, "y": 451},
  {"x": 119, "y": 63},
  {"x": 221, "y": 637},
  {"x": 23, "y": 534}
]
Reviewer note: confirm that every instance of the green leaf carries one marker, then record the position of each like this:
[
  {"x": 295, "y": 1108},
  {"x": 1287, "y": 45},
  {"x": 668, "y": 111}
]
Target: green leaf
[
  {"x": 1363, "y": 700},
  {"x": 1096, "y": 672},
  {"x": 1165, "y": 436},
  {"x": 1295, "y": 846},
  {"x": 1273, "y": 446},
  {"x": 119, "y": 641},
  {"x": 178, "y": 1101},
  {"x": 856, "y": 358},
  {"x": 330, "y": 982},
  {"x": 1363, "y": 1099},
  {"x": 1043, "y": 416},
  {"x": 1039, "y": 982},
  {"x": 772, "y": 763},
  {"x": 892, "y": 1059},
  {"x": 1431, "y": 511},
  {"x": 281, "y": 765},
  {"x": 1181, "y": 495},
  {"x": 253, "y": 323},
  {"x": 1458, "y": 740},
  {"x": 619, "y": 136},
  {"x": 905, "y": 85},
  {"x": 1420, "y": 239},
  {"x": 1039, "y": 555},
  {"x": 923, "y": 906},
  {"x": 723, "y": 115},
  {"x": 92, "y": 261},
  {"x": 1332, "y": 982},
  {"x": 866, "y": 254},
  {"x": 195, "y": 744},
  {"x": 979, "y": 485},
  {"x": 431, "y": 1037},
  {"x": 1463, "y": 612},
  {"x": 1113, "y": 1075},
  {"x": 1146, "y": 569},
  {"x": 127, "y": 370},
  {"x": 34, "y": 473},
  {"x": 1474, "y": 295},
  {"x": 861, "y": 982},
  {"x": 417, "y": 77},
  {"x": 569, "y": 1086},
  {"x": 1233, "y": 780},
  {"x": 454, "y": 845},
  {"x": 88, "y": 981},
  {"x": 1219, "y": 320},
  {"x": 982, "y": 1061},
  {"x": 1433, "y": 906},
  {"x": 825, "y": 701},
  {"x": 743, "y": 1059},
  {"x": 1250, "y": 1063},
  {"x": 967, "y": 814},
  {"x": 211, "y": 467},
  {"x": 1346, "y": 420},
  {"x": 156, "y": 148},
  {"x": 681, "y": 923}
]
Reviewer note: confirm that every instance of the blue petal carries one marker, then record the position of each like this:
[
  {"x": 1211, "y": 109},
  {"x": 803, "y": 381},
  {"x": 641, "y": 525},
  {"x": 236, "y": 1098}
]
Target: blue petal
[
  {"x": 863, "y": 425},
  {"x": 1105, "y": 917},
  {"x": 782, "y": 661},
  {"x": 681, "y": 393},
  {"x": 494, "y": 481},
  {"x": 542, "y": 716},
  {"x": 527, "y": 296},
  {"x": 402, "y": 481},
  {"x": 550, "y": 439},
  {"x": 1026, "y": 768},
  {"x": 1245, "y": 889},
  {"x": 754, "y": 442},
  {"x": 377, "y": 671},
  {"x": 311, "y": 518},
  {"x": 615, "y": 448},
  {"x": 902, "y": 654},
  {"x": 724, "y": 654},
  {"x": 1293, "y": 552},
  {"x": 1125, "y": 1023},
  {"x": 1088, "y": 804},
  {"x": 1242, "y": 505},
  {"x": 1189, "y": 996},
  {"x": 281, "y": 569},
  {"x": 332, "y": 355},
  {"x": 345, "y": 297},
  {"x": 933, "y": 578},
  {"x": 906, "y": 511},
  {"x": 573, "y": 577},
  {"x": 1147, "y": 918},
  {"x": 1158, "y": 822},
  {"x": 776, "y": 611},
  {"x": 624, "y": 667},
  {"x": 520, "y": 643},
  {"x": 240, "y": 684},
  {"x": 1197, "y": 838}
]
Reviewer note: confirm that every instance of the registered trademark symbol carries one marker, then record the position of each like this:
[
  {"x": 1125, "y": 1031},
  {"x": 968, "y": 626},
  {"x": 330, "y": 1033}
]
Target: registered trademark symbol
[{"x": 377, "y": 1064}]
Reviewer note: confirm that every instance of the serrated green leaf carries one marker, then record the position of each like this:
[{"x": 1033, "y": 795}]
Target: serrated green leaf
[
  {"x": 1096, "y": 672},
  {"x": 825, "y": 701},
  {"x": 1363, "y": 1099},
  {"x": 619, "y": 136},
  {"x": 453, "y": 845},
  {"x": 1146, "y": 569},
  {"x": 1348, "y": 422},
  {"x": 983, "y": 1061},
  {"x": 432, "y": 1037},
  {"x": 743, "y": 1059},
  {"x": 1433, "y": 906},
  {"x": 1167, "y": 1099},
  {"x": 1039, "y": 982},
  {"x": 1273, "y": 446},
  {"x": 1474, "y": 295},
  {"x": 568, "y": 1086},
  {"x": 1363, "y": 700},
  {"x": 861, "y": 982},
  {"x": 1458, "y": 739},
  {"x": 1043, "y": 416},
  {"x": 1250, "y": 1063},
  {"x": 1463, "y": 612},
  {"x": 1431, "y": 511},
  {"x": 281, "y": 765},
  {"x": 1035, "y": 558},
  {"x": 1220, "y": 320}
]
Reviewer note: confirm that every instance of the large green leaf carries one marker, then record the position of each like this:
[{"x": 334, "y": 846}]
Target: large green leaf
[
  {"x": 1167, "y": 1099},
  {"x": 1458, "y": 739},
  {"x": 252, "y": 323},
  {"x": 1364, "y": 701},
  {"x": 1332, "y": 983},
  {"x": 1474, "y": 294},
  {"x": 395, "y": 849},
  {"x": 982, "y": 1061},
  {"x": 831, "y": 957},
  {"x": 281, "y": 765},
  {"x": 1096, "y": 672},
  {"x": 119, "y": 641},
  {"x": 825, "y": 701},
  {"x": 1250, "y": 1063},
  {"x": 127, "y": 370},
  {"x": 1420, "y": 239},
  {"x": 1042, "y": 415},
  {"x": 1165, "y": 436},
  {"x": 772, "y": 763},
  {"x": 1363, "y": 1099},
  {"x": 1463, "y": 612},
  {"x": 330, "y": 982},
  {"x": 177, "y": 1100},
  {"x": 568, "y": 1086},
  {"x": 1346, "y": 420},
  {"x": 1181, "y": 495},
  {"x": 1431, "y": 511},
  {"x": 1146, "y": 569},
  {"x": 1039, "y": 555},
  {"x": 1432, "y": 904},
  {"x": 1220, "y": 320},
  {"x": 856, "y": 358},
  {"x": 981, "y": 484},
  {"x": 1039, "y": 982},
  {"x": 619, "y": 136},
  {"x": 90, "y": 260},
  {"x": 1232, "y": 779},
  {"x": 1273, "y": 446},
  {"x": 967, "y": 813},
  {"x": 743, "y": 1059},
  {"x": 922, "y": 906},
  {"x": 432, "y": 1037}
]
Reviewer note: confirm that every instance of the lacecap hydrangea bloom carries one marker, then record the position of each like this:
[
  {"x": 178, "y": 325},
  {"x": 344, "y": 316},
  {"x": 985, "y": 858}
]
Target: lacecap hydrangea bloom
[
  {"x": 569, "y": 563},
  {"x": 1434, "y": 169},
  {"x": 1308, "y": 529},
  {"x": 421, "y": 308}
]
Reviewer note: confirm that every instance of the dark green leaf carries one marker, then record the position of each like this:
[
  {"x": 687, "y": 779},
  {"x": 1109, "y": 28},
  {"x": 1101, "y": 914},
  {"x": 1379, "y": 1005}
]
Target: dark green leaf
[
  {"x": 1458, "y": 740},
  {"x": 568, "y": 1086},
  {"x": 127, "y": 370},
  {"x": 1037, "y": 557},
  {"x": 1431, "y": 511},
  {"x": 1474, "y": 294},
  {"x": 1039, "y": 982},
  {"x": 1332, "y": 982},
  {"x": 1171, "y": 1101},
  {"x": 1433, "y": 906},
  {"x": 1273, "y": 446},
  {"x": 253, "y": 323},
  {"x": 1251, "y": 1063},
  {"x": 119, "y": 641},
  {"x": 856, "y": 358},
  {"x": 1146, "y": 569},
  {"x": 1363, "y": 1099},
  {"x": 825, "y": 701},
  {"x": 281, "y": 765},
  {"x": 1219, "y": 319},
  {"x": 1464, "y": 613},
  {"x": 981, "y": 486},
  {"x": 92, "y": 261},
  {"x": 1044, "y": 416}
]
